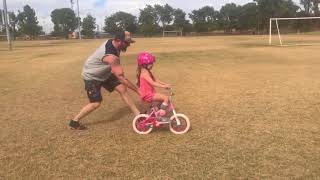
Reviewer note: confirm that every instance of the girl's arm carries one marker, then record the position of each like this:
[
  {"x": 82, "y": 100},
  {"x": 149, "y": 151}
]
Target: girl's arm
[
  {"x": 148, "y": 78},
  {"x": 163, "y": 83}
]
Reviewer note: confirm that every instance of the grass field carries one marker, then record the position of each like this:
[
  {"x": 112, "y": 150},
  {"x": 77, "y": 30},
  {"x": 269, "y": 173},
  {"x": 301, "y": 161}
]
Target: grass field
[{"x": 254, "y": 111}]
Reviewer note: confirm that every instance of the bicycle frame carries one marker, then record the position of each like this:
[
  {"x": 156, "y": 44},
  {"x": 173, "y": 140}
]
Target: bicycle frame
[
  {"x": 153, "y": 117},
  {"x": 172, "y": 107}
]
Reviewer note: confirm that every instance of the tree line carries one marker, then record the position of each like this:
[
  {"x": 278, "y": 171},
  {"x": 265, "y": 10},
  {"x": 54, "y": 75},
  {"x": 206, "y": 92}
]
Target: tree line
[{"x": 153, "y": 19}]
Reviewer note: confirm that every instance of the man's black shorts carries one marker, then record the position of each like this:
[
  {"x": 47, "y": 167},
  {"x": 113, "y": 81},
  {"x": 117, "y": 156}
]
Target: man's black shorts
[{"x": 93, "y": 87}]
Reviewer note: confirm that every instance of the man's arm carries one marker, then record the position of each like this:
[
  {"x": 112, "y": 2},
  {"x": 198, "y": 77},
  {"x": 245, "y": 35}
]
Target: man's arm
[{"x": 117, "y": 70}]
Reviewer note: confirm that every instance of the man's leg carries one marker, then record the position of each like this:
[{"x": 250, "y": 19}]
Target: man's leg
[
  {"x": 122, "y": 90},
  {"x": 87, "y": 110},
  {"x": 95, "y": 98}
]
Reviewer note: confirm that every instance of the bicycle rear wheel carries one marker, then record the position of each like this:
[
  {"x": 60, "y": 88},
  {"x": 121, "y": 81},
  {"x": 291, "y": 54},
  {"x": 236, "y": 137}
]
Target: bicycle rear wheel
[{"x": 139, "y": 126}]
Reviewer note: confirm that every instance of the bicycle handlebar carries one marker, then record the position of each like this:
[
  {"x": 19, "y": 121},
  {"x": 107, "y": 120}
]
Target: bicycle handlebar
[{"x": 171, "y": 91}]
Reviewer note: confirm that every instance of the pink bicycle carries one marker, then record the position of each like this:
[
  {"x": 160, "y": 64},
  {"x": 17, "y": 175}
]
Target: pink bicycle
[{"x": 178, "y": 123}]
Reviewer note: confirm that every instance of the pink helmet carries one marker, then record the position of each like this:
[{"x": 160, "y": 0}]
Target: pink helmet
[{"x": 145, "y": 58}]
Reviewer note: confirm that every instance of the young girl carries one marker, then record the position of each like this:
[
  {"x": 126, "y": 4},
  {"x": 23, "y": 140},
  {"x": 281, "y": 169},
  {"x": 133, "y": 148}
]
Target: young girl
[{"x": 147, "y": 82}]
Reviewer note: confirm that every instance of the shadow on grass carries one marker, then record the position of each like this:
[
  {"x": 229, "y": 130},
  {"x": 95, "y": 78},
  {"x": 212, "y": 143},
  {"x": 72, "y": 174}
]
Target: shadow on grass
[
  {"x": 264, "y": 45},
  {"x": 120, "y": 113},
  {"x": 44, "y": 55},
  {"x": 252, "y": 45},
  {"x": 5, "y": 50}
]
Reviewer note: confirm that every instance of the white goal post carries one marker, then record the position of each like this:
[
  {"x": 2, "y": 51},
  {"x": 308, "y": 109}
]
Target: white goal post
[
  {"x": 277, "y": 25},
  {"x": 178, "y": 33}
]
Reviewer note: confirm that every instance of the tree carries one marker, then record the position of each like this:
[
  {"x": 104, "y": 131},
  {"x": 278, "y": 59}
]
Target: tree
[
  {"x": 13, "y": 20},
  {"x": 180, "y": 22},
  {"x": 204, "y": 19},
  {"x": 28, "y": 23},
  {"x": 88, "y": 26},
  {"x": 275, "y": 8},
  {"x": 120, "y": 21},
  {"x": 315, "y": 4},
  {"x": 230, "y": 16},
  {"x": 289, "y": 9},
  {"x": 2, "y": 27},
  {"x": 1, "y": 23},
  {"x": 165, "y": 14},
  {"x": 248, "y": 16},
  {"x": 148, "y": 20},
  {"x": 311, "y": 7},
  {"x": 64, "y": 21},
  {"x": 307, "y": 5}
]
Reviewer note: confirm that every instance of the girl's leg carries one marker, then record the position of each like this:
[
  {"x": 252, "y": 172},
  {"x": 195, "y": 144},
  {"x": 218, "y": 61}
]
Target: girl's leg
[{"x": 162, "y": 99}]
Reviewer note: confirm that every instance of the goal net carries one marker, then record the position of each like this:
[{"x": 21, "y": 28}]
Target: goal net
[
  {"x": 171, "y": 33},
  {"x": 294, "y": 31}
]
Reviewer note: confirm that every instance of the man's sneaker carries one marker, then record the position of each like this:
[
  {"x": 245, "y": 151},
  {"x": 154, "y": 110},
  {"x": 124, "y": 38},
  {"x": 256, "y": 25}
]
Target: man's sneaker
[{"x": 75, "y": 125}]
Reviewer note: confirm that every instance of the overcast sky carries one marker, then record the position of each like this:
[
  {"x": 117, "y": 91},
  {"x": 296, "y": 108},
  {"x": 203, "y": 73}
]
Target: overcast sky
[{"x": 102, "y": 8}]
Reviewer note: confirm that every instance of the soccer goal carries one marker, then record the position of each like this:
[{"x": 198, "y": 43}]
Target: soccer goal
[
  {"x": 294, "y": 31},
  {"x": 171, "y": 33}
]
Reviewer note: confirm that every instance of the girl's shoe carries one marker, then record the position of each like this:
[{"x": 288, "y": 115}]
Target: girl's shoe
[{"x": 161, "y": 112}]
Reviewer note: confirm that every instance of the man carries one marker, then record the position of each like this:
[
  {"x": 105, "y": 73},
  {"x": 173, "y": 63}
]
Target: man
[{"x": 103, "y": 69}]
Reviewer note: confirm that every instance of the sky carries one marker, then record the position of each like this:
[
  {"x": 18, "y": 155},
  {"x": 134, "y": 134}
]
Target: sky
[{"x": 102, "y": 8}]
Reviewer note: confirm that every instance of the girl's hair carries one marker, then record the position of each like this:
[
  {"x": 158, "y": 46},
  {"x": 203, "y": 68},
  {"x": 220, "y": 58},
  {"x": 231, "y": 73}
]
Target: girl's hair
[{"x": 139, "y": 73}]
